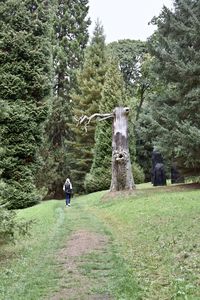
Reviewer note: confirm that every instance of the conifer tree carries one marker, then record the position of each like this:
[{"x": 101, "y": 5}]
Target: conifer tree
[
  {"x": 70, "y": 39},
  {"x": 113, "y": 94},
  {"x": 86, "y": 101},
  {"x": 25, "y": 70},
  {"x": 176, "y": 111}
]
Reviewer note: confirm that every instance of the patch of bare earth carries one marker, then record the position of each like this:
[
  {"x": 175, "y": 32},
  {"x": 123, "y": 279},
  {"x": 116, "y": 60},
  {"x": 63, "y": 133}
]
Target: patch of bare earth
[{"x": 74, "y": 284}]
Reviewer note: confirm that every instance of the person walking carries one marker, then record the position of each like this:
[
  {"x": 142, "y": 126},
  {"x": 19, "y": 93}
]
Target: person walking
[{"x": 67, "y": 188}]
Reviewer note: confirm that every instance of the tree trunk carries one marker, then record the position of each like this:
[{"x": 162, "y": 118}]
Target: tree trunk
[{"x": 122, "y": 178}]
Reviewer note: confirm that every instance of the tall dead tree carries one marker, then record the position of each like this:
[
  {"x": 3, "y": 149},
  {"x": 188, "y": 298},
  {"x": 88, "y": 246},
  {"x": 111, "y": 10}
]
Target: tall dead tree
[{"x": 122, "y": 178}]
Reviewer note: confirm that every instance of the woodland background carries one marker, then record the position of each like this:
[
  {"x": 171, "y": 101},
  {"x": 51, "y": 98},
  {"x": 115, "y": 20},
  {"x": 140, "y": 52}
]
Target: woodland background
[{"x": 52, "y": 73}]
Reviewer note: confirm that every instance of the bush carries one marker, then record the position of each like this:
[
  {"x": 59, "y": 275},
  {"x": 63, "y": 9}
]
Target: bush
[
  {"x": 98, "y": 181},
  {"x": 10, "y": 227},
  {"x": 18, "y": 195},
  {"x": 138, "y": 173},
  {"x": 7, "y": 225}
]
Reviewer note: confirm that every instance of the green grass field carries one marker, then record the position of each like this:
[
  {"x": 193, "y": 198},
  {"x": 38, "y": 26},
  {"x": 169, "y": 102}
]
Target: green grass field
[{"x": 152, "y": 248}]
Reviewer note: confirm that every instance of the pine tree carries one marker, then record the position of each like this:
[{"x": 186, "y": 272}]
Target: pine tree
[
  {"x": 113, "y": 94},
  {"x": 90, "y": 80},
  {"x": 70, "y": 39},
  {"x": 25, "y": 85},
  {"x": 176, "y": 111}
]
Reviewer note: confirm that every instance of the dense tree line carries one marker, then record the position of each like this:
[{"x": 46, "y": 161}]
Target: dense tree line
[
  {"x": 70, "y": 37},
  {"x": 170, "y": 116},
  {"x": 42, "y": 45},
  {"x": 25, "y": 89},
  {"x": 176, "y": 110}
]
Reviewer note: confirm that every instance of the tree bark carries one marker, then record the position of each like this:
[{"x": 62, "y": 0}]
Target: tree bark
[{"x": 122, "y": 178}]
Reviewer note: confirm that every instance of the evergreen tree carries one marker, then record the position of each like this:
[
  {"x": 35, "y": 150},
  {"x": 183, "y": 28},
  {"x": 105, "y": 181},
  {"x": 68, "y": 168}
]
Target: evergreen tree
[
  {"x": 90, "y": 80},
  {"x": 25, "y": 70},
  {"x": 145, "y": 132},
  {"x": 176, "y": 111},
  {"x": 70, "y": 39},
  {"x": 113, "y": 94}
]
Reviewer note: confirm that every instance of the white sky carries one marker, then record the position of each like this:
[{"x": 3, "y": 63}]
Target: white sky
[{"x": 126, "y": 19}]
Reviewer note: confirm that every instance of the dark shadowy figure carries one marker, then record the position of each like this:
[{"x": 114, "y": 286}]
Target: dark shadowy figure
[
  {"x": 158, "y": 176},
  {"x": 67, "y": 188}
]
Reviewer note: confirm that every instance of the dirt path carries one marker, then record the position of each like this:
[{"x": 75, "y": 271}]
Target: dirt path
[{"x": 75, "y": 284}]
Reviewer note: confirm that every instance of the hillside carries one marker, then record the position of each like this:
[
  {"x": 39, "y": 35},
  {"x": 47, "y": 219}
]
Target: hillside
[{"x": 139, "y": 246}]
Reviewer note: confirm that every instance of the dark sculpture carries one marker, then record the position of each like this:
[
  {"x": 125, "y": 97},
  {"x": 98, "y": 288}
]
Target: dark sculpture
[{"x": 158, "y": 176}]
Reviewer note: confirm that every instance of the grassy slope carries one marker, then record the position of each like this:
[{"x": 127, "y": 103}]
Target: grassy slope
[
  {"x": 159, "y": 237},
  {"x": 30, "y": 270},
  {"x": 153, "y": 251}
]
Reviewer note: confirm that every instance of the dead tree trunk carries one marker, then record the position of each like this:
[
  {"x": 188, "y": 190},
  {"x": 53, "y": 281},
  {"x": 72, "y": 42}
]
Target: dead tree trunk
[{"x": 122, "y": 178}]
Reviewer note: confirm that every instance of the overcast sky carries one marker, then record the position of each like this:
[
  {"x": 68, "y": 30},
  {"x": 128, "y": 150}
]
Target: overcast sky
[{"x": 123, "y": 19}]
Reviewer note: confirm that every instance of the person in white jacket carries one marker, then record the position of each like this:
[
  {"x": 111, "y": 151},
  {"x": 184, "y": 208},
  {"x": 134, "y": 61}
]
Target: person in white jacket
[{"x": 67, "y": 188}]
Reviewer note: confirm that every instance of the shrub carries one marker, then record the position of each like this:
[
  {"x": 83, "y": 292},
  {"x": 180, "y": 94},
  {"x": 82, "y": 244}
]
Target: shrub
[
  {"x": 20, "y": 195},
  {"x": 138, "y": 173},
  {"x": 98, "y": 181},
  {"x": 7, "y": 225},
  {"x": 10, "y": 226}
]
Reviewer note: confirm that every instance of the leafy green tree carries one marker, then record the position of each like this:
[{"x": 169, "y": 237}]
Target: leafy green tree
[
  {"x": 175, "y": 112},
  {"x": 90, "y": 79},
  {"x": 113, "y": 94},
  {"x": 132, "y": 56},
  {"x": 70, "y": 36},
  {"x": 25, "y": 84}
]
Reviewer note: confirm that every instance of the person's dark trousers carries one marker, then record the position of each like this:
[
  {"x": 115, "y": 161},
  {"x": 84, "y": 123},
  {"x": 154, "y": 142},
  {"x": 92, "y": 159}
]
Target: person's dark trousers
[{"x": 67, "y": 199}]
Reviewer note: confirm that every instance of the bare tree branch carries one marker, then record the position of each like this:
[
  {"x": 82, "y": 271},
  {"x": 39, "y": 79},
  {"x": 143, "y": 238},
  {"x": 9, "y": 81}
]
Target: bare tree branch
[{"x": 85, "y": 119}]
